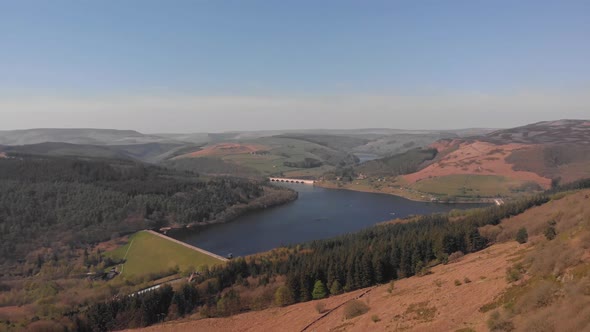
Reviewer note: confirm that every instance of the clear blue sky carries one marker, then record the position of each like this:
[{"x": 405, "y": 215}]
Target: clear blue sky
[{"x": 70, "y": 51}]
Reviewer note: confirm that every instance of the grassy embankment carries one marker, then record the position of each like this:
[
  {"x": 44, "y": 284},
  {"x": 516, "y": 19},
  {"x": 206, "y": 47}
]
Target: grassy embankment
[{"x": 146, "y": 253}]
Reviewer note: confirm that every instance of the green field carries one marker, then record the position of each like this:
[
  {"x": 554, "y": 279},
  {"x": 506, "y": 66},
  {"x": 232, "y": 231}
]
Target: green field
[
  {"x": 462, "y": 185},
  {"x": 283, "y": 150},
  {"x": 146, "y": 253}
]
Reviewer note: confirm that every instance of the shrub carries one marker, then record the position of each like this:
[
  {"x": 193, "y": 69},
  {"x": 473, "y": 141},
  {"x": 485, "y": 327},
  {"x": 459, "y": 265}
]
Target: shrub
[
  {"x": 375, "y": 318},
  {"x": 497, "y": 323},
  {"x": 467, "y": 280},
  {"x": 355, "y": 308},
  {"x": 283, "y": 296},
  {"x": 522, "y": 236},
  {"x": 320, "y": 307},
  {"x": 458, "y": 282},
  {"x": 421, "y": 311},
  {"x": 550, "y": 233},
  {"x": 540, "y": 296},
  {"x": 455, "y": 256},
  {"x": 514, "y": 273},
  {"x": 390, "y": 288}
]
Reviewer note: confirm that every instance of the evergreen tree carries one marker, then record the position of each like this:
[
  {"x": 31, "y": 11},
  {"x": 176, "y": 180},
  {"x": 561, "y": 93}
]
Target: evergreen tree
[
  {"x": 319, "y": 290},
  {"x": 283, "y": 296},
  {"x": 336, "y": 288},
  {"x": 522, "y": 236}
]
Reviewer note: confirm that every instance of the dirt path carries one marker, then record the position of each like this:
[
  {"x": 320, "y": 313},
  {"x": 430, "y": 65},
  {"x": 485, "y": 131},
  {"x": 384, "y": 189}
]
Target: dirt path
[{"x": 189, "y": 246}]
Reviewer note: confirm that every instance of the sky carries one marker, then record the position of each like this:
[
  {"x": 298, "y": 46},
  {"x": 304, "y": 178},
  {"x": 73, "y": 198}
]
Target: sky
[{"x": 210, "y": 66}]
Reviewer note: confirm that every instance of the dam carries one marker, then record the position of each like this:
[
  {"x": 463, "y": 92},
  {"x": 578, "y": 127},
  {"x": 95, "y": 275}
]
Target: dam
[{"x": 291, "y": 180}]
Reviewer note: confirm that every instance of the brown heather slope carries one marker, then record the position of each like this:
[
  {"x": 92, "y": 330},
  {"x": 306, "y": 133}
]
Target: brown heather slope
[
  {"x": 478, "y": 158},
  {"x": 548, "y": 288},
  {"x": 223, "y": 149},
  {"x": 428, "y": 303},
  {"x": 521, "y": 159}
]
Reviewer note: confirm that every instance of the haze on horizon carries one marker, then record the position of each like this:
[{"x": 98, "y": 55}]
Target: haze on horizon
[{"x": 210, "y": 66}]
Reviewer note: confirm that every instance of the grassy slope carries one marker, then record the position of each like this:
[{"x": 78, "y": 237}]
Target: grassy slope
[
  {"x": 280, "y": 150},
  {"x": 469, "y": 185},
  {"x": 147, "y": 253}
]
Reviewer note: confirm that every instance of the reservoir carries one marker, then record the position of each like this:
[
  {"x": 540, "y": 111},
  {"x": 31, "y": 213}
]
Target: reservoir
[{"x": 318, "y": 213}]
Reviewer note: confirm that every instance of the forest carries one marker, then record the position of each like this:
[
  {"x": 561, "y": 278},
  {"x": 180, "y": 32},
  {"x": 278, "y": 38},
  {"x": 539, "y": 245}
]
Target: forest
[
  {"x": 53, "y": 202},
  {"x": 403, "y": 163},
  {"x": 399, "y": 164}
]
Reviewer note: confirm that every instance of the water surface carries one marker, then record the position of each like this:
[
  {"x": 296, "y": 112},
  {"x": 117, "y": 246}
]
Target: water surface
[{"x": 318, "y": 213}]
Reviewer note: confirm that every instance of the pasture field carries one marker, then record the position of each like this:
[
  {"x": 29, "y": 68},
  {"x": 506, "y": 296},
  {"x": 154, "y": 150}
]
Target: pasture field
[
  {"x": 266, "y": 164},
  {"x": 146, "y": 253},
  {"x": 461, "y": 185},
  {"x": 283, "y": 150}
]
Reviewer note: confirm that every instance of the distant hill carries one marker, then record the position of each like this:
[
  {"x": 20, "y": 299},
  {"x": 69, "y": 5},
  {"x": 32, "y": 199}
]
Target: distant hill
[
  {"x": 148, "y": 152},
  {"x": 546, "y": 132},
  {"x": 519, "y": 159},
  {"x": 65, "y": 149},
  {"x": 76, "y": 136}
]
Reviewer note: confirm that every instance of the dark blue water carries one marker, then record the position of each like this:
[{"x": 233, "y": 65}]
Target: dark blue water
[
  {"x": 318, "y": 213},
  {"x": 364, "y": 157}
]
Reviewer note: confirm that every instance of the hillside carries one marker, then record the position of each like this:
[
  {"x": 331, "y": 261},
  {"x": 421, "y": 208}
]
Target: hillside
[
  {"x": 277, "y": 155},
  {"x": 542, "y": 285},
  {"x": 546, "y": 132},
  {"x": 501, "y": 164},
  {"x": 64, "y": 203},
  {"x": 145, "y": 152},
  {"x": 521, "y": 157},
  {"x": 428, "y": 303}
]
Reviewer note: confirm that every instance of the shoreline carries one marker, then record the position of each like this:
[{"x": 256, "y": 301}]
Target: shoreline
[
  {"x": 328, "y": 185},
  {"x": 271, "y": 199}
]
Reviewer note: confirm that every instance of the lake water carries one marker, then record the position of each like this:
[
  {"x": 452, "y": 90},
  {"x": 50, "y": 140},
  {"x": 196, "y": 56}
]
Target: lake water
[
  {"x": 318, "y": 213},
  {"x": 364, "y": 157}
]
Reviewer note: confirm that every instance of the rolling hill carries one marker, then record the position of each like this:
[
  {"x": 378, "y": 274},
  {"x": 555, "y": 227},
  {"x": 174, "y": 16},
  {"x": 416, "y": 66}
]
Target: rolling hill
[
  {"x": 528, "y": 157},
  {"x": 500, "y": 164},
  {"x": 75, "y": 136}
]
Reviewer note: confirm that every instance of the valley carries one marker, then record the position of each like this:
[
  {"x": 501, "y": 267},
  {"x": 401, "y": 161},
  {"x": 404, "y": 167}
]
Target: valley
[
  {"x": 475, "y": 292},
  {"x": 272, "y": 166},
  {"x": 216, "y": 195}
]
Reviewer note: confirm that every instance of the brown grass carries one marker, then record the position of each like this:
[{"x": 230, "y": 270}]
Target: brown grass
[
  {"x": 569, "y": 162},
  {"x": 444, "y": 307},
  {"x": 354, "y": 309},
  {"x": 480, "y": 158}
]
